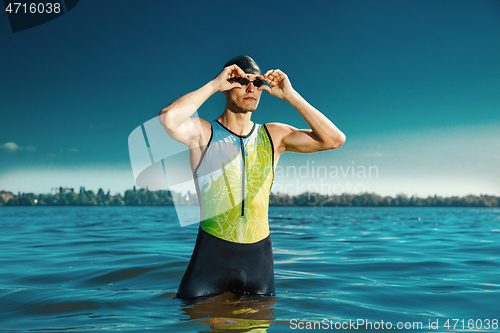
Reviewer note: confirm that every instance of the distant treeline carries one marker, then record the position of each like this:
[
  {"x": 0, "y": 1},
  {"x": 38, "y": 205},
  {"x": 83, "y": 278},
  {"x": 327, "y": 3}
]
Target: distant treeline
[
  {"x": 372, "y": 199},
  {"x": 143, "y": 197}
]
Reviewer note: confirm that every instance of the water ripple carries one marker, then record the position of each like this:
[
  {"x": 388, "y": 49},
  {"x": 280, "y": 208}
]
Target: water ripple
[{"x": 94, "y": 268}]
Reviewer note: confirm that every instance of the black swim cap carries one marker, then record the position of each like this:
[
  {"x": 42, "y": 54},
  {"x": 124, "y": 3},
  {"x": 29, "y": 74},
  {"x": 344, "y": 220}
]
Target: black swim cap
[{"x": 247, "y": 64}]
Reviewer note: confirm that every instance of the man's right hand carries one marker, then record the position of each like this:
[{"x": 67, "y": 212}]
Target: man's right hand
[
  {"x": 220, "y": 83},
  {"x": 177, "y": 118}
]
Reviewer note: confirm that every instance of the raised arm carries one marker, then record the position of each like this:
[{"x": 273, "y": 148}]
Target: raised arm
[
  {"x": 322, "y": 135},
  {"x": 176, "y": 118}
]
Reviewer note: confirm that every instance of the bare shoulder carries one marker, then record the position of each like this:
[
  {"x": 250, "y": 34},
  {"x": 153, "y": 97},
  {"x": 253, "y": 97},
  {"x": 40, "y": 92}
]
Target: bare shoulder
[{"x": 278, "y": 131}]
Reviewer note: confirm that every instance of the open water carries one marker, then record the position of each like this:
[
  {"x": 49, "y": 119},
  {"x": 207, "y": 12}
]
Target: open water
[{"x": 82, "y": 269}]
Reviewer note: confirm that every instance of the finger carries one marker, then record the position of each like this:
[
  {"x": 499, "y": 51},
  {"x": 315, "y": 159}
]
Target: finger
[
  {"x": 275, "y": 79},
  {"x": 268, "y": 73},
  {"x": 271, "y": 77},
  {"x": 233, "y": 67},
  {"x": 275, "y": 75},
  {"x": 282, "y": 75},
  {"x": 232, "y": 85},
  {"x": 235, "y": 71},
  {"x": 271, "y": 73},
  {"x": 278, "y": 72},
  {"x": 265, "y": 78},
  {"x": 239, "y": 71},
  {"x": 262, "y": 77},
  {"x": 266, "y": 88},
  {"x": 278, "y": 76},
  {"x": 229, "y": 72}
]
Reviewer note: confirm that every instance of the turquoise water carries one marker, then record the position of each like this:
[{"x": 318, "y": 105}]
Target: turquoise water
[{"x": 105, "y": 268}]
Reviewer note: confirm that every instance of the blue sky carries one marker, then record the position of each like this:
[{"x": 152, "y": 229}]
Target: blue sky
[{"x": 414, "y": 85}]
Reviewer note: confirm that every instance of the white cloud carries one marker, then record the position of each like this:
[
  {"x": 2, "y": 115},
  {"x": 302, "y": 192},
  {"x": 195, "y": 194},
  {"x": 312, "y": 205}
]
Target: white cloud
[{"x": 11, "y": 147}]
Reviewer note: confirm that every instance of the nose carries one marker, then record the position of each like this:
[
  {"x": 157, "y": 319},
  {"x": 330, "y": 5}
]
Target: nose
[{"x": 250, "y": 87}]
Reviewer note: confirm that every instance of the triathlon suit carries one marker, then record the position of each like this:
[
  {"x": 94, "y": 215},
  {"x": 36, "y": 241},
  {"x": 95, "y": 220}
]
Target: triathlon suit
[{"x": 233, "y": 250}]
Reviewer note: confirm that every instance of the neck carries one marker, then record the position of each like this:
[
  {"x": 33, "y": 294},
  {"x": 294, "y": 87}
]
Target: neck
[{"x": 238, "y": 123}]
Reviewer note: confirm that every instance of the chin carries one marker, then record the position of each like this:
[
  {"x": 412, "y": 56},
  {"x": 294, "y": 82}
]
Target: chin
[
  {"x": 243, "y": 110},
  {"x": 250, "y": 106},
  {"x": 244, "y": 107}
]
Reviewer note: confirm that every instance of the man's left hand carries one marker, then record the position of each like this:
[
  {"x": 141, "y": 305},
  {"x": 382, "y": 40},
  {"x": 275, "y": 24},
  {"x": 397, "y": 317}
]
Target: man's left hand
[{"x": 279, "y": 84}]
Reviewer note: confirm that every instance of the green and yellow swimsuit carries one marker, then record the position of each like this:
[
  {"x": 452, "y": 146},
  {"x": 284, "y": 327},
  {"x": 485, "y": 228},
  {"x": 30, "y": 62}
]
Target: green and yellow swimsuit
[{"x": 233, "y": 251}]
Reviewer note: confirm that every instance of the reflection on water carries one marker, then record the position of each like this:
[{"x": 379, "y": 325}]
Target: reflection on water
[{"x": 232, "y": 313}]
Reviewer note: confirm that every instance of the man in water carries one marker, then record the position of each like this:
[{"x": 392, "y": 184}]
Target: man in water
[{"x": 233, "y": 162}]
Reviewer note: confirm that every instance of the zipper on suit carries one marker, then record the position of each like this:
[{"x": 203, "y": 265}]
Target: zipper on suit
[{"x": 243, "y": 178}]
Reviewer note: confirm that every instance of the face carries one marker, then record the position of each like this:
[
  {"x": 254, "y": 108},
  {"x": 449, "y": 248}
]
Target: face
[{"x": 244, "y": 98}]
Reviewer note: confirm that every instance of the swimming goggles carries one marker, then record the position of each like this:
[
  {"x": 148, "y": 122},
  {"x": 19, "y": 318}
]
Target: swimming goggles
[{"x": 244, "y": 81}]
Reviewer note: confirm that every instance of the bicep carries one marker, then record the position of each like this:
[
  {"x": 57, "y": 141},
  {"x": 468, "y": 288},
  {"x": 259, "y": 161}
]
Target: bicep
[
  {"x": 191, "y": 131},
  {"x": 302, "y": 141}
]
